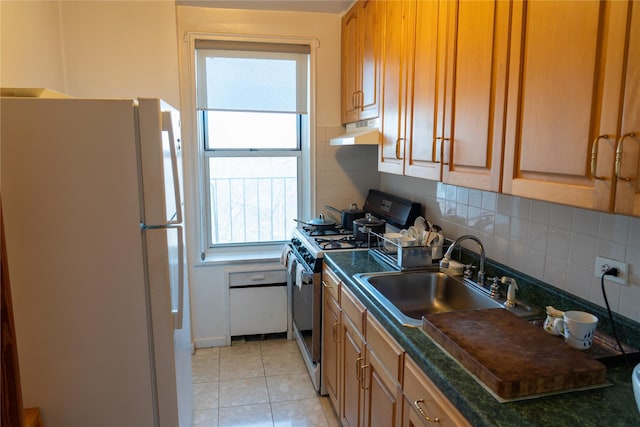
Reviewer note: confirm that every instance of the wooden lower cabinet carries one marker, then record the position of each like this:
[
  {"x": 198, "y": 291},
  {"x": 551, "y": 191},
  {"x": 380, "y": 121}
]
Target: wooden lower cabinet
[
  {"x": 331, "y": 347},
  {"x": 352, "y": 363},
  {"x": 381, "y": 376},
  {"x": 370, "y": 380},
  {"x": 331, "y": 336},
  {"x": 423, "y": 403}
]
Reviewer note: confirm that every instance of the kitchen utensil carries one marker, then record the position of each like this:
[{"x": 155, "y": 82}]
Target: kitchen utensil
[
  {"x": 362, "y": 227},
  {"x": 577, "y": 327},
  {"x": 320, "y": 223},
  {"x": 347, "y": 216}
]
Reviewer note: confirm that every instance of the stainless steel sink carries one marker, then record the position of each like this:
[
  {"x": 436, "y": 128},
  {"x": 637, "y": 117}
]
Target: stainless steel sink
[{"x": 410, "y": 295}]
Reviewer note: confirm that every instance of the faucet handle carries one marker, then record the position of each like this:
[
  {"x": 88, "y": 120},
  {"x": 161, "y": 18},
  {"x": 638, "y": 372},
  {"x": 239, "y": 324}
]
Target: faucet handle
[
  {"x": 467, "y": 271},
  {"x": 495, "y": 288}
]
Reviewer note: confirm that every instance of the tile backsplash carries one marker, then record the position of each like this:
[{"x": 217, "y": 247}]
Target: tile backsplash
[{"x": 553, "y": 243}]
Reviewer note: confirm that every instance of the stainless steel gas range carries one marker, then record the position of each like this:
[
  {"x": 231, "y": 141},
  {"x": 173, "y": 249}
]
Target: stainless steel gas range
[{"x": 308, "y": 247}]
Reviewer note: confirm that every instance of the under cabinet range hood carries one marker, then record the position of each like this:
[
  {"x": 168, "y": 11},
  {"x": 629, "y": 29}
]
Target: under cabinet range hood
[{"x": 366, "y": 132}]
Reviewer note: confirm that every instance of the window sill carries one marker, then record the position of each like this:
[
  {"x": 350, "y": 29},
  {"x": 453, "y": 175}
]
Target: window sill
[{"x": 240, "y": 258}]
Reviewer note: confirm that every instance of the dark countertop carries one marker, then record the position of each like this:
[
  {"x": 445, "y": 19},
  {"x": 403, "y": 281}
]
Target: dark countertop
[{"x": 611, "y": 406}]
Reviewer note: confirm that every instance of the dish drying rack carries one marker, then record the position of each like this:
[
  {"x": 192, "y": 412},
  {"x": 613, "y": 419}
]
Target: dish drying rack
[{"x": 398, "y": 256}]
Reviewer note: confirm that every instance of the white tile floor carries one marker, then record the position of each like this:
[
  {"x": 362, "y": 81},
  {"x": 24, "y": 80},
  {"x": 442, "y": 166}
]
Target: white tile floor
[{"x": 257, "y": 383}]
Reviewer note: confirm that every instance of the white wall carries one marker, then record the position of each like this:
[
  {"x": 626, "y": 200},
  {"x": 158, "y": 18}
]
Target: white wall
[
  {"x": 111, "y": 49},
  {"x": 31, "y": 53},
  {"x": 553, "y": 243}
]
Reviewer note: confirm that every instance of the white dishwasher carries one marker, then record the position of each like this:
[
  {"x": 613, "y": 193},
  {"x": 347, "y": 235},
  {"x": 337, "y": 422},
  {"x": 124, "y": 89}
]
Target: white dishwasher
[{"x": 258, "y": 302}]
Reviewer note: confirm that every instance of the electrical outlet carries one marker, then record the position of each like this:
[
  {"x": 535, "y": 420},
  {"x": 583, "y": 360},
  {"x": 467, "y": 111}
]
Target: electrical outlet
[{"x": 603, "y": 264}]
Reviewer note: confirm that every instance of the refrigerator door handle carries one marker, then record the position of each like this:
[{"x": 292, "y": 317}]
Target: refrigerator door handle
[
  {"x": 178, "y": 314},
  {"x": 168, "y": 126}
]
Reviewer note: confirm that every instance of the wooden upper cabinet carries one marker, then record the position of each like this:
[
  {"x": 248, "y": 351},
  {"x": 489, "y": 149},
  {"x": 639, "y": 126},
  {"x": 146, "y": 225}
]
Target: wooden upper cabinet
[
  {"x": 455, "y": 83},
  {"x": 471, "y": 126},
  {"x": 566, "y": 76},
  {"x": 398, "y": 23},
  {"x": 350, "y": 68},
  {"x": 361, "y": 50},
  {"x": 425, "y": 104},
  {"x": 627, "y": 195}
]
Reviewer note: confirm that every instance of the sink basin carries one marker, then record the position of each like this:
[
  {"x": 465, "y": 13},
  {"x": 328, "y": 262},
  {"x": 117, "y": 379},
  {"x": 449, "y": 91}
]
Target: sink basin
[{"x": 410, "y": 295}]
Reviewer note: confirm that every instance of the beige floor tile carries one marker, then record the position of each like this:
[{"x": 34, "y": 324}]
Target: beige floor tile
[
  {"x": 246, "y": 416},
  {"x": 205, "y": 370},
  {"x": 205, "y": 396},
  {"x": 241, "y": 367},
  {"x": 206, "y": 353},
  {"x": 279, "y": 346},
  {"x": 283, "y": 363},
  {"x": 205, "y": 418},
  {"x": 290, "y": 387},
  {"x": 329, "y": 412},
  {"x": 244, "y": 391},
  {"x": 306, "y": 412},
  {"x": 242, "y": 349}
]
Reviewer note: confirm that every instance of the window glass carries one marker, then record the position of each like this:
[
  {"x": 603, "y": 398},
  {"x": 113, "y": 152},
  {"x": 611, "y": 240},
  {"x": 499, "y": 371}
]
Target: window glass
[
  {"x": 240, "y": 130},
  {"x": 252, "y": 102}
]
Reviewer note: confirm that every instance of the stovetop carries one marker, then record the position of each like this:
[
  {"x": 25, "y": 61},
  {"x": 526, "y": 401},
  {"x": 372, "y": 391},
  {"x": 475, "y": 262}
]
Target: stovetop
[{"x": 319, "y": 241}]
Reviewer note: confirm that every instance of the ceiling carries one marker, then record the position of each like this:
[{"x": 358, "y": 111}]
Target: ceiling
[{"x": 323, "y": 6}]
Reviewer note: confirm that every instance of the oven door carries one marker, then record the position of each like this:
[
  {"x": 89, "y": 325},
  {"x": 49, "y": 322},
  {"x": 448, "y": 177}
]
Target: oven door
[{"x": 306, "y": 316}]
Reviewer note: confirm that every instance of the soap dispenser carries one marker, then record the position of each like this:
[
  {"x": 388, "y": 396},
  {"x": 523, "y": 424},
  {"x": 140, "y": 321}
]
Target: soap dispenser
[{"x": 511, "y": 292}]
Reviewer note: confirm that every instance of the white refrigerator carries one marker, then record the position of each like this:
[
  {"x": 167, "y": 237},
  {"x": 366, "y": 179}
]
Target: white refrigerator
[{"x": 91, "y": 196}]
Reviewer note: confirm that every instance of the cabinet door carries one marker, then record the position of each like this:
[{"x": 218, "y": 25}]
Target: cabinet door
[
  {"x": 350, "y": 65},
  {"x": 627, "y": 199},
  {"x": 473, "y": 117},
  {"x": 352, "y": 362},
  {"x": 331, "y": 348},
  {"x": 555, "y": 96},
  {"x": 370, "y": 51},
  {"x": 394, "y": 90},
  {"x": 426, "y": 73},
  {"x": 382, "y": 394}
]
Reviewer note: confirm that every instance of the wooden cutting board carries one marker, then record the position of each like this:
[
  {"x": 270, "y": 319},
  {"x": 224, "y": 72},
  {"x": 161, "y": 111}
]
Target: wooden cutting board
[{"x": 510, "y": 356}]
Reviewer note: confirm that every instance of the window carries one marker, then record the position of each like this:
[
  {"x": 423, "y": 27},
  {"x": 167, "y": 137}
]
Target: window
[{"x": 252, "y": 119}]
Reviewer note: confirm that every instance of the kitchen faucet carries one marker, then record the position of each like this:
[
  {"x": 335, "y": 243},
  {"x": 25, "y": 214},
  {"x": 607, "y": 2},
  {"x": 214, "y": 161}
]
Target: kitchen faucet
[{"x": 447, "y": 256}]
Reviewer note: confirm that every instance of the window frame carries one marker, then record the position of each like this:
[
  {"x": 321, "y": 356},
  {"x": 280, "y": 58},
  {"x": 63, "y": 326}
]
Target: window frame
[{"x": 307, "y": 167}]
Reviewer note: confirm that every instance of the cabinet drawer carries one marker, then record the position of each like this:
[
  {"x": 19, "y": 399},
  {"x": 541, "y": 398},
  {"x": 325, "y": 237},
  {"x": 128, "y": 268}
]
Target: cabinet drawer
[
  {"x": 352, "y": 308},
  {"x": 387, "y": 350},
  {"x": 422, "y": 395},
  {"x": 331, "y": 283},
  {"x": 257, "y": 278}
]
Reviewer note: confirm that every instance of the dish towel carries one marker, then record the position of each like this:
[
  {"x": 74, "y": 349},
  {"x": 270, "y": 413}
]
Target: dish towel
[
  {"x": 299, "y": 271},
  {"x": 284, "y": 256}
]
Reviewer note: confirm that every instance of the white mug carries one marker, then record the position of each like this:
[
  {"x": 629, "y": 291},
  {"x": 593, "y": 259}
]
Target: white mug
[{"x": 577, "y": 327}]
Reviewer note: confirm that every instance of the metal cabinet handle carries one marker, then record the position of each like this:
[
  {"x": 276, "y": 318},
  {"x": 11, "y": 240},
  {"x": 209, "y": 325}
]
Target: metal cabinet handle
[
  {"x": 425, "y": 416},
  {"x": 358, "y": 367},
  {"x": 354, "y": 100},
  {"x": 398, "y": 148},
  {"x": 594, "y": 156},
  {"x": 326, "y": 285},
  {"x": 438, "y": 140},
  {"x": 363, "y": 377},
  {"x": 619, "y": 156},
  {"x": 335, "y": 334}
]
